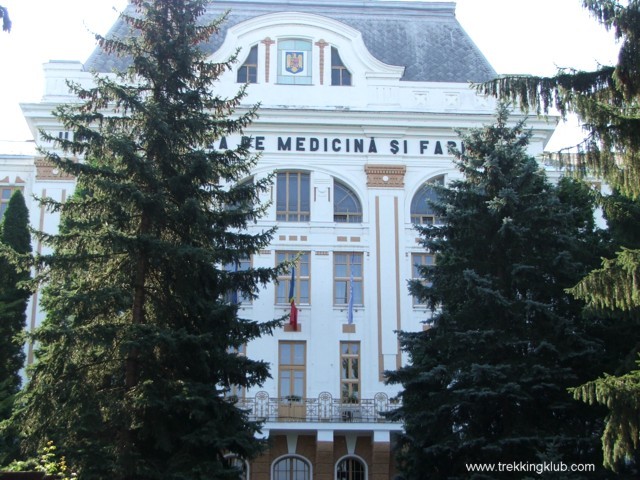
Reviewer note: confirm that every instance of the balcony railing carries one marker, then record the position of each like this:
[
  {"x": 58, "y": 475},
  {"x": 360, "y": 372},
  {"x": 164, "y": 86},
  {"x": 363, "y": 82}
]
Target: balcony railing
[{"x": 324, "y": 408}]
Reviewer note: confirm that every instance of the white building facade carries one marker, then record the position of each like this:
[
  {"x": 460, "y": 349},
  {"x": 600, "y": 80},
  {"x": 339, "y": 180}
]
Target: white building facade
[{"x": 360, "y": 101}]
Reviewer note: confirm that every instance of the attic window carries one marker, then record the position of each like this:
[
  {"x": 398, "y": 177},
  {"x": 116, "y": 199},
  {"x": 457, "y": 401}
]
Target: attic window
[
  {"x": 294, "y": 62},
  {"x": 339, "y": 73},
  {"x": 248, "y": 72}
]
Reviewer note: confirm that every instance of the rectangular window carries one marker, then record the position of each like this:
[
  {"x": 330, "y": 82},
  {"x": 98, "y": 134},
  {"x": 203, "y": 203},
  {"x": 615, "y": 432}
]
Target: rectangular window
[
  {"x": 294, "y": 62},
  {"x": 292, "y": 367},
  {"x": 350, "y": 372},
  {"x": 347, "y": 277},
  {"x": 237, "y": 392},
  {"x": 302, "y": 279},
  {"x": 5, "y": 196},
  {"x": 419, "y": 260},
  {"x": 293, "y": 197},
  {"x": 237, "y": 296},
  {"x": 419, "y": 219}
]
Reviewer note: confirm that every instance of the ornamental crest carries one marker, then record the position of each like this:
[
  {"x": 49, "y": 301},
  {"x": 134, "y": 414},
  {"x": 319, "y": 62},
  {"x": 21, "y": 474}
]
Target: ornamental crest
[{"x": 294, "y": 62}]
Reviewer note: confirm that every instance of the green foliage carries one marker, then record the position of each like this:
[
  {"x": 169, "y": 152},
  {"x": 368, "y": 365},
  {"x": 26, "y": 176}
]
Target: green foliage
[
  {"x": 135, "y": 354},
  {"x": 621, "y": 395},
  {"x": 46, "y": 462},
  {"x": 15, "y": 241},
  {"x": 606, "y": 101},
  {"x": 487, "y": 382}
]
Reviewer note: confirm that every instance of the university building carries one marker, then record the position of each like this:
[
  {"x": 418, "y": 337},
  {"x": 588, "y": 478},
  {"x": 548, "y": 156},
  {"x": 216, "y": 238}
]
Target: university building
[{"x": 360, "y": 102}]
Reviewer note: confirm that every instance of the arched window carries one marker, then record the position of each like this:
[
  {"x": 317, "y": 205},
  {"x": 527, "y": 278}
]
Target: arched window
[
  {"x": 346, "y": 206},
  {"x": 421, "y": 211},
  {"x": 351, "y": 468},
  {"x": 239, "y": 464},
  {"x": 291, "y": 468},
  {"x": 340, "y": 75},
  {"x": 248, "y": 72}
]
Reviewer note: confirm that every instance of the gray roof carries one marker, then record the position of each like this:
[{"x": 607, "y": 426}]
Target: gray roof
[{"x": 423, "y": 37}]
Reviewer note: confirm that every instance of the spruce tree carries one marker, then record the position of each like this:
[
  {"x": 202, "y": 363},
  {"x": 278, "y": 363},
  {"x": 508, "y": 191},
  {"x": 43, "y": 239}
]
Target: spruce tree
[
  {"x": 6, "y": 22},
  {"x": 136, "y": 351},
  {"x": 487, "y": 381},
  {"x": 15, "y": 240},
  {"x": 606, "y": 102}
]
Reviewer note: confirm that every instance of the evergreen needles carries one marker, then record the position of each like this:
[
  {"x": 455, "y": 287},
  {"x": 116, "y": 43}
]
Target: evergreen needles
[
  {"x": 487, "y": 380},
  {"x": 606, "y": 101},
  {"x": 136, "y": 351}
]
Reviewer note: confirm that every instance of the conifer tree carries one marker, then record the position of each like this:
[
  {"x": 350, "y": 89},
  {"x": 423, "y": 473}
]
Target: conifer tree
[
  {"x": 6, "y": 21},
  {"x": 136, "y": 351},
  {"x": 15, "y": 239},
  {"x": 487, "y": 382},
  {"x": 606, "y": 101}
]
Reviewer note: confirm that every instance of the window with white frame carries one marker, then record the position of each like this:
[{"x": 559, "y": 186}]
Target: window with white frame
[
  {"x": 5, "y": 195},
  {"x": 351, "y": 468},
  {"x": 293, "y": 197},
  {"x": 242, "y": 466},
  {"x": 340, "y": 75},
  {"x": 350, "y": 372},
  {"x": 302, "y": 278},
  {"x": 236, "y": 296},
  {"x": 291, "y": 468},
  {"x": 292, "y": 370},
  {"x": 347, "y": 278},
  {"x": 236, "y": 392},
  {"x": 294, "y": 62},
  {"x": 346, "y": 206},
  {"x": 422, "y": 212},
  {"x": 420, "y": 261},
  {"x": 248, "y": 72}
]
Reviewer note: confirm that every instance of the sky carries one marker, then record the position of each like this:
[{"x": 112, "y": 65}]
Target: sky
[{"x": 516, "y": 36}]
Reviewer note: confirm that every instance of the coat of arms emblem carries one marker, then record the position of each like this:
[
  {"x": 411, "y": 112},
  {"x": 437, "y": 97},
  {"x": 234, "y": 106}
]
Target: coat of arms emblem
[{"x": 294, "y": 62}]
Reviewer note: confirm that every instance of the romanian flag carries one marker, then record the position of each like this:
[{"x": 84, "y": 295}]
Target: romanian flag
[
  {"x": 350, "y": 305},
  {"x": 293, "y": 316}
]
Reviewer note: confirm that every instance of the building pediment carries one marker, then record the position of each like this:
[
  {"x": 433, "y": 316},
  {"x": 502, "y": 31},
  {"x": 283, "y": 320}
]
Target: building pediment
[{"x": 322, "y": 32}]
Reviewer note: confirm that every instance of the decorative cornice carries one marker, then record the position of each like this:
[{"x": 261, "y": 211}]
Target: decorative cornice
[
  {"x": 385, "y": 176},
  {"x": 48, "y": 171}
]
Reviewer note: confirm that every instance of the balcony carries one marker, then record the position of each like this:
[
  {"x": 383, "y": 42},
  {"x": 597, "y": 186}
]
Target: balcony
[{"x": 324, "y": 408}]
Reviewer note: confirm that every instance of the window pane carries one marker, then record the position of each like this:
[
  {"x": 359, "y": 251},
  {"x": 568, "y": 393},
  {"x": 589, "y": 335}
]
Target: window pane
[
  {"x": 298, "y": 354},
  {"x": 335, "y": 76},
  {"x": 304, "y": 291},
  {"x": 304, "y": 265},
  {"x": 346, "y": 77},
  {"x": 285, "y": 383},
  {"x": 298, "y": 384},
  {"x": 242, "y": 75},
  {"x": 341, "y": 293},
  {"x": 304, "y": 192},
  {"x": 346, "y": 206},
  {"x": 282, "y": 292},
  {"x": 285, "y": 353},
  {"x": 281, "y": 186},
  {"x": 421, "y": 210},
  {"x": 292, "y": 203}
]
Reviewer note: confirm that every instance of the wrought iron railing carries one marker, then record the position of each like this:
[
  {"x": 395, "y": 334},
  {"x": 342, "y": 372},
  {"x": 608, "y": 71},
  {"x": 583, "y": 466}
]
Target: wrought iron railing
[{"x": 324, "y": 408}]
